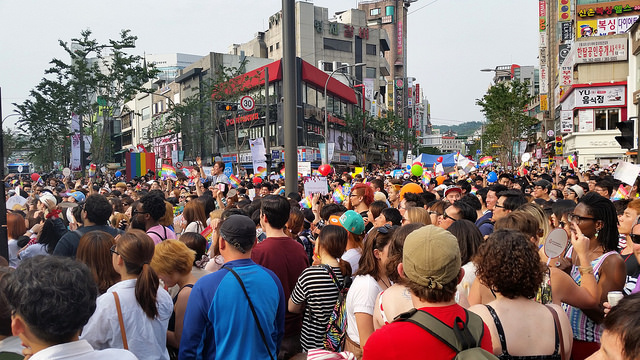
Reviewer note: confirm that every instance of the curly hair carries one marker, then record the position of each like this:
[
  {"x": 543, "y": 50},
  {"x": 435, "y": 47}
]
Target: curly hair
[
  {"x": 153, "y": 203},
  {"x": 54, "y": 295},
  {"x": 98, "y": 209},
  {"x": 508, "y": 263}
]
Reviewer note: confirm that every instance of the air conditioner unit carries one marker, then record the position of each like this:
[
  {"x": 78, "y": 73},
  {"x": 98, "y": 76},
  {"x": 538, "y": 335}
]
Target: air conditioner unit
[
  {"x": 336, "y": 65},
  {"x": 321, "y": 64}
]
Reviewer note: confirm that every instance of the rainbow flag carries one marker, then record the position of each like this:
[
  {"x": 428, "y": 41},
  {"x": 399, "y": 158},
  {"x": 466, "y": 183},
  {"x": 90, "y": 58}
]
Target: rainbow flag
[
  {"x": 306, "y": 202},
  {"x": 338, "y": 195},
  {"x": 235, "y": 182},
  {"x": 474, "y": 190},
  {"x": 168, "y": 172},
  {"x": 622, "y": 193},
  {"x": 486, "y": 161},
  {"x": 426, "y": 178},
  {"x": 208, "y": 235},
  {"x": 92, "y": 170},
  {"x": 138, "y": 164},
  {"x": 282, "y": 172},
  {"x": 573, "y": 162}
]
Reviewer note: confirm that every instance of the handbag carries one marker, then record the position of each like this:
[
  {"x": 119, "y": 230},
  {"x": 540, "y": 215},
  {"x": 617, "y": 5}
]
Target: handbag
[
  {"x": 121, "y": 321},
  {"x": 253, "y": 310}
]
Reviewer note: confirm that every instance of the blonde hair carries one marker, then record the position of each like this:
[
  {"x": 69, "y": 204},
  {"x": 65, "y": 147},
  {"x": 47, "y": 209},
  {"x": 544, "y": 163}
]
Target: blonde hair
[
  {"x": 536, "y": 211},
  {"x": 172, "y": 256},
  {"x": 167, "y": 218},
  {"x": 418, "y": 215}
]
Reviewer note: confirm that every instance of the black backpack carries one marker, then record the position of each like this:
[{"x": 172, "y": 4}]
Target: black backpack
[{"x": 464, "y": 338}]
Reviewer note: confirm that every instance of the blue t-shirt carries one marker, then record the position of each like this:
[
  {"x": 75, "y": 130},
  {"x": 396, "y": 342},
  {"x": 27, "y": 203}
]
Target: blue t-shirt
[{"x": 218, "y": 323}]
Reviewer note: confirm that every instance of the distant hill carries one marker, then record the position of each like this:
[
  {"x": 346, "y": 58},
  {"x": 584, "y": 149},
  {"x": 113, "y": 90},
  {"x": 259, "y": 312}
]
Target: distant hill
[{"x": 464, "y": 129}]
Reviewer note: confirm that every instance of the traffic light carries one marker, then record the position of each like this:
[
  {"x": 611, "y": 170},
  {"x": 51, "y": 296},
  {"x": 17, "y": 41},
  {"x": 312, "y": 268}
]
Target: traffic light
[
  {"x": 227, "y": 107},
  {"x": 628, "y": 138}
]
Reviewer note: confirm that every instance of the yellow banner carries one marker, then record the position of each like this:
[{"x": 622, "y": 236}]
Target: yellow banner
[{"x": 544, "y": 103}]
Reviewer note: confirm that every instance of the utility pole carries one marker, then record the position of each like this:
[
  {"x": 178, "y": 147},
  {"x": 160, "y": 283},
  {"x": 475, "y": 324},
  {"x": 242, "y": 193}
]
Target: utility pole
[
  {"x": 289, "y": 83},
  {"x": 4, "y": 245},
  {"x": 267, "y": 129}
]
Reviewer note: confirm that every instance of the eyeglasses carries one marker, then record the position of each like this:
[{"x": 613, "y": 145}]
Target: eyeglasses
[
  {"x": 499, "y": 206},
  {"x": 576, "y": 218},
  {"x": 431, "y": 212},
  {"x": 113, "y": 250},
  {"x": 446, "y": 216},
  {"x": 136, "y": 212}
]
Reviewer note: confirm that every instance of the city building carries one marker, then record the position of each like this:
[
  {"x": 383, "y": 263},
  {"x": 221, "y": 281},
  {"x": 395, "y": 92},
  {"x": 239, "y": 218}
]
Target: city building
[
  {"x": 170, "y": 65},
  {"x": 330, "y": 44},
  {"x": 451, "y": 142}
]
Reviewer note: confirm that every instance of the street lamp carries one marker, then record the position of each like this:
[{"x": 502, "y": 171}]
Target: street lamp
[{"x": 326, "y": 102}]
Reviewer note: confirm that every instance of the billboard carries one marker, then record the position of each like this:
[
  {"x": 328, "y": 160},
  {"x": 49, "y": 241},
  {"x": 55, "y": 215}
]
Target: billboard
[
  {"x": 601, "y": 50},
  {"x": 603, "y": 27}
]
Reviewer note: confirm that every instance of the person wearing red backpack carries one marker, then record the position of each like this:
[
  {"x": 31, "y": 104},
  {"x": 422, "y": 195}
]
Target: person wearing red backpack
[{"x": 432, "y": 268}]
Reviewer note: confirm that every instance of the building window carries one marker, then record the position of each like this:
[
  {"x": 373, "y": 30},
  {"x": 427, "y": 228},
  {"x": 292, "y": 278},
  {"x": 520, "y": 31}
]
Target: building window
[
  {"x": 371, "y": 73},
  {"x": 337, "y": 45},
  {"x": 277, "y": 45},
  {"x": 146, "y": 113},
  {"x": 389, "y": 10},
  {"x": 271, "y": 48},
  {"x": 375, "y": 12},
  {"x": 371, "y": 49},
  {"x": 606, "y": 119}
]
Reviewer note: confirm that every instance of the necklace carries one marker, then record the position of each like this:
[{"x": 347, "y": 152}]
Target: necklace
[{"x": 385, "y": 284}]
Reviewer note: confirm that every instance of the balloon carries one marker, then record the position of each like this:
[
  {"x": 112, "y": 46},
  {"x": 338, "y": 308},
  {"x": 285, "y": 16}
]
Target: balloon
[
  {"x": 325, "y": 169},
  {"x": 118, "y": 173},
  {"x": 257, "y": 180},
  {"x": 408, "y": 167},
  {"x": 492, "y": 177},
  {"x": 440, "y": 179},
  {"x": 439, "y": 159},
  {"x": 416, "y": 170},
  {"x": 417, "y": 163},
  {"x": 35, "y": 176}
]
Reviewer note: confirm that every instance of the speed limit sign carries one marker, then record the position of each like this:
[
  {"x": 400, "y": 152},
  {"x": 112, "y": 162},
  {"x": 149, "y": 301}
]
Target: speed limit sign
[{"x": 247, "y": 103}]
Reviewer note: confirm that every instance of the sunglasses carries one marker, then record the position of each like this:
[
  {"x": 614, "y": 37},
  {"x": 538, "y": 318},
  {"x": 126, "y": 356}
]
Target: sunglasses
[
  {"x": 113, "y": 250},
  {"x": 635, "y": 238},
  {"x": 446, "y": 216}
]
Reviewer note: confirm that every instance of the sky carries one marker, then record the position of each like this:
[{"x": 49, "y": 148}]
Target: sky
[{"x": 448, "y": 42}]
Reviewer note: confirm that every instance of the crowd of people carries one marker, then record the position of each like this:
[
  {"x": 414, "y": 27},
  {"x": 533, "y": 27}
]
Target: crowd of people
[{"x": 203, "y": 267}]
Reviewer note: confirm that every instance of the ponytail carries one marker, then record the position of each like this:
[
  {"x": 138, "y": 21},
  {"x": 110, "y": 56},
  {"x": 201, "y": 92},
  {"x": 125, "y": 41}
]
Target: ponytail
[
  {"x": 147, "y": 290},
  {"x": 136, "y": 249},
  {"x": 345, "y": 268}
]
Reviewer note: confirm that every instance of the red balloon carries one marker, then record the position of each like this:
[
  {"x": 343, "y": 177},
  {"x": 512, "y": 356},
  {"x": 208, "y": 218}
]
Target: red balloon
[
  {"x": 257, "y": 180},
  {"x": 439, "y": 159},
  {"x": 35, "y": 176},
  {"x": 325, "y": 169}
]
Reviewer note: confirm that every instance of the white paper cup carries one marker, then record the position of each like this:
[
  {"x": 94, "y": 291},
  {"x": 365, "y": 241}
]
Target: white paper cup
[{"x": 614, "y": 297}]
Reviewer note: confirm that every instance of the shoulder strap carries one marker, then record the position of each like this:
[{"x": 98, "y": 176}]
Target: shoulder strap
[
  {"x": 253, "y": 310},
  {"x": 158, "y": 235},
  {"x": 496, "y": 321},
  {"x": 437, "y": 328},
  {"x": 333, "y": 276},
  {"x": 559, "y": 339},
  {"x": 121, "y": 321}
]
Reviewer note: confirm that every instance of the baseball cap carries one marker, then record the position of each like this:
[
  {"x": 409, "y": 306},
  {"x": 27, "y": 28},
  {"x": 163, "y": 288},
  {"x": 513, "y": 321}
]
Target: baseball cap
[
  {"x": 239, "y": 231},
  {"x": 431, "y": 257},
  {"x": 452, "y": 188},
  {"x": 353, "y": 222},
  {"x": 578, "y": 190},
  {"x": 78, "y": 195}
]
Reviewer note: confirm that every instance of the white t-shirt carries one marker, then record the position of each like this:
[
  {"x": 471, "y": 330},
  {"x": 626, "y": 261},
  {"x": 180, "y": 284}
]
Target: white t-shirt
[
  {"x": 353, "y": 257},
  {"x": 361, "y": 298}
]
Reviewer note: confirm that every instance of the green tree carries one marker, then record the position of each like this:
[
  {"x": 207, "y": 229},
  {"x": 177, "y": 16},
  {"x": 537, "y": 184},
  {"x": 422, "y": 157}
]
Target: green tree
[
  {"x": 95, "y": 82},
  {"x": 507, "y": 121}
]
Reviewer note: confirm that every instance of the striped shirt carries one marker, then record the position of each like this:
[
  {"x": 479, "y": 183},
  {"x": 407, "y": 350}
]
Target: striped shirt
[{"x": 316, "y": 288}]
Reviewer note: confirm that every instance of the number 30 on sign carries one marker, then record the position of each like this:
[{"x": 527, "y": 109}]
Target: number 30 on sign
[{"x": 247, "y": 103}]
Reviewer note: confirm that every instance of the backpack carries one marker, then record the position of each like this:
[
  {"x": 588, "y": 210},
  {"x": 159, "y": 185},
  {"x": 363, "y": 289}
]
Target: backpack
[
  {"x": 464, "y": 338},
  {"x": 334, "y": 338}
]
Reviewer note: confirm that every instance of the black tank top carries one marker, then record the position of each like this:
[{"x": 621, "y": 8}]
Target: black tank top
[{"x": 503, "y": 343}]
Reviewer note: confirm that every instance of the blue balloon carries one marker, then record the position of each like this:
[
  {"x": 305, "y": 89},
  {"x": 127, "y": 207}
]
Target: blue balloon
[
  {"x": 492, "y": 177},
  {"x": 408, "y": 167},
  {"x": 118, "y": 173}
]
